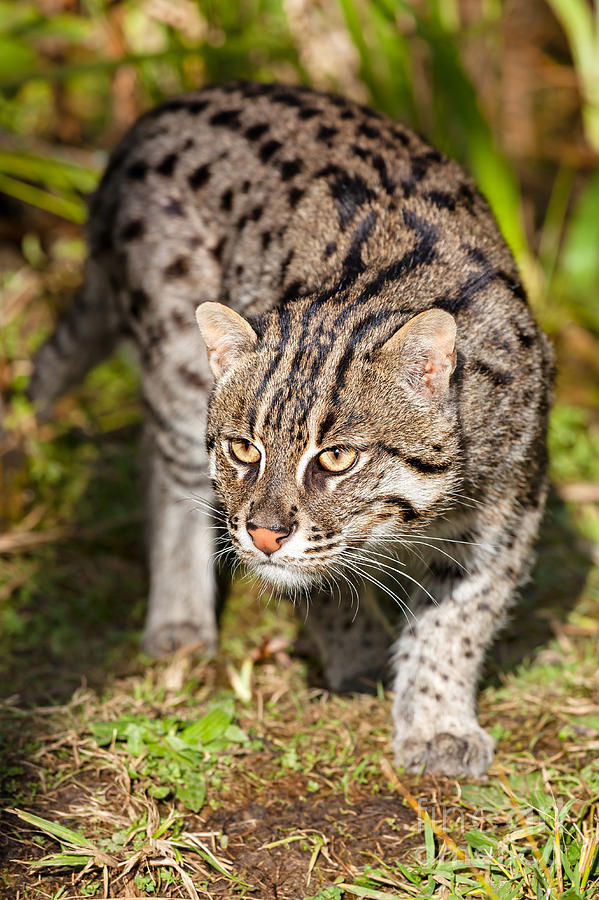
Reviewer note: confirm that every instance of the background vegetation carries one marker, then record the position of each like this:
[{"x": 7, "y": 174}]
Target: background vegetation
[{"x": 242, "y": 777}]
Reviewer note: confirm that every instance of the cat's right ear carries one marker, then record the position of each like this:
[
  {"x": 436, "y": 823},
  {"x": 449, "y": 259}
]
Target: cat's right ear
[
  {"x": 226, "y": 335},
  {"x": 423, "y": 351}
]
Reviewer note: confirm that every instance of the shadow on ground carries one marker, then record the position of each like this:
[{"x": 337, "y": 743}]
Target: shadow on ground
[{"x": 72, "y": 607}]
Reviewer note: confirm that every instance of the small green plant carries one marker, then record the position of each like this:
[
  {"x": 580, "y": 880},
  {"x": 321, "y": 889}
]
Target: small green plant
[{"x": 177, "y": 755}]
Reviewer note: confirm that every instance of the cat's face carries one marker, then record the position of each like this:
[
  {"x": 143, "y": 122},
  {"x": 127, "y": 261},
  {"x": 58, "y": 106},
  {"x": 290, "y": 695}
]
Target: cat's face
[{"x": 319, "y": 444}]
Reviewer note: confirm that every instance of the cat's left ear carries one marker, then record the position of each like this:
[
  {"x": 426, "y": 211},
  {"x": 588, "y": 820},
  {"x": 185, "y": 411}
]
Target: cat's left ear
[
  {"x": 226, "y": 334},
  {"x": 423, "y": 351}
]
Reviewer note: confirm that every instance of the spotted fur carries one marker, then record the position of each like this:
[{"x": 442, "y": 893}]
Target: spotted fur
[{"x": 327, "y": 229}]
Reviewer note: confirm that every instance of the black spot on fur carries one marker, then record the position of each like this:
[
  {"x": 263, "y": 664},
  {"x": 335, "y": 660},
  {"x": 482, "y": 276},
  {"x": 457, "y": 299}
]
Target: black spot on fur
[
  {"x": 525, "y": 339},
  {"x": 268, "y": 150},
  {"x": 441, "y": 199},
  {"x": 326, "y": 132},
  {"x": 190, "y": 377},
  {"x": 308, "y": 112},
  {"x": 173, "y": 208},
  {"x": 466, "y": 197},
  {"x": 197, "y": 106},
  {"x": 401, "y": 136},
  {"x": 285, "y": 264},
  {"x": 379, "y": 164},
  {"x": 132, "y": 230},
  {"x": 226, "y": 118},
  {"x": 255, "y": 132},
  {"x": 218, "y": 249},
  {"x": 295, "y": 195},
  {"x": 347, "y": 114},
  {"x": 368, "y": 131},
  {"x": 287, "y": 99},
  {"x": 290, "y": 168},
  {"x": 137, "y": 170},
  {"x": 266, "y": 239},
  {"x": 420, "y": 164},
  {"x": 350, "y": 192},
  {"x": 139, "y": 300},
  {"x": 256, "y": 213},
  {"x": 330, "y": 249},
  {"x": 168, "y": 107},
  {"x": 499, "y": 379},
  {"x": 178, "y": 268},
  {"x": 167, "y": 166},
  {"x": 199, "y": 177},
  {"x": 226, "y": 200},
  {"x": 361, "y": 152}
]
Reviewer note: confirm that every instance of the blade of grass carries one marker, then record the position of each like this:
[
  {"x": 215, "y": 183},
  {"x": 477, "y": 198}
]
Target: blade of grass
[
  {"x": 369, "y": 893},
  {"x": 70, "y": 208},
  {"x": 64, "y": 834},
  {"x": 54, "y": 173},
  {"x": 438, "y": 831},
  {"x": 57, "y": 860},
  {"x": 528, "y": 836},
  {"x": 582, "y": 31}
]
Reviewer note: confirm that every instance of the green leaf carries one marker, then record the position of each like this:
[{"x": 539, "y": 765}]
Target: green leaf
[
  {"x": 64, "y": 834},
  {"x": 193, "y": 793},
  {"x": 429, "y": 843},
  {"x": 16, "y": 57},
  {"x": 71, "y": 208},
  {"x": 358, "y": 891},
  {"x": 53, "y": 173},
  {"x": 480, "y": 840},
  {"x": 580, "y": 256},
  {"x": 159, "y": 791},
  {"x": 73, "y": 860},
  {"x": 103, "y": 732},
  {"x": 210, "y": 727},
  {"x": 136, "y": 738}
]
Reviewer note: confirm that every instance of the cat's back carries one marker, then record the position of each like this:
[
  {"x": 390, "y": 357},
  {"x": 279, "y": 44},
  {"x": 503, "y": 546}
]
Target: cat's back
[{"x": 252, "y": 188}]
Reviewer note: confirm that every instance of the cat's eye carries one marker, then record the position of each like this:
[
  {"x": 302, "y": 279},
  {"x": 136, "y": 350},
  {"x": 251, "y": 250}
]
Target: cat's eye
[
  {"x": 244, "y": 451},
  {"x": 337, "y": 459}
]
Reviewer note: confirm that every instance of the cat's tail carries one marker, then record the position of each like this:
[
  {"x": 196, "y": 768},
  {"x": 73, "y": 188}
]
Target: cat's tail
[{"x": 86, "y": 334}]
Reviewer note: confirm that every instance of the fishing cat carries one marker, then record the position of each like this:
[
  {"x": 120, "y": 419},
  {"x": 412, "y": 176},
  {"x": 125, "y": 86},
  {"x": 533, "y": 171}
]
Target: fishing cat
[{"x": 371, "y": 410}]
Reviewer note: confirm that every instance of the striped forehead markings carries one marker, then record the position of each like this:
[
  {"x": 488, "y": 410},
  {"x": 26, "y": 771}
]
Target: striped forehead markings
[{"x": 422, "y": 253}]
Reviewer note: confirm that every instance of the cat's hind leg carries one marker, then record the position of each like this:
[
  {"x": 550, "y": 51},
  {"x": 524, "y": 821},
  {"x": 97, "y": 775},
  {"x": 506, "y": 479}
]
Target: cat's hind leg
[
  {"x": 353, "y": 638},
  {"x": 84, "y": 336}
]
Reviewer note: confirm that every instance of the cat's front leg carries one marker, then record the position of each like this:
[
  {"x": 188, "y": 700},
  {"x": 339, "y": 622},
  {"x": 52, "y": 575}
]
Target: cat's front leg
[
  {"x": 182, "y": 604},
  {"x": 438, "y": 659}
]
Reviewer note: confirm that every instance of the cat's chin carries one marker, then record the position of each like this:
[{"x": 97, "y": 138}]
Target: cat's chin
[{"x": 283, "y": 577}]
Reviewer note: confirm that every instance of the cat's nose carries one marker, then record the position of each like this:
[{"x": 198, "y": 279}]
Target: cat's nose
[{"x": 267, "y": 539}]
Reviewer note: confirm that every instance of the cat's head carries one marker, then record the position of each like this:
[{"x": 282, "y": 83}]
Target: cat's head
[{"x": 328, "y": 431}]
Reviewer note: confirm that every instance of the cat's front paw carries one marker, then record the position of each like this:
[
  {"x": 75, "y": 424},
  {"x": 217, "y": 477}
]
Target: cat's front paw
[
  {"x": 173, "y": 636},
  {"x": 468, "y": 753}
]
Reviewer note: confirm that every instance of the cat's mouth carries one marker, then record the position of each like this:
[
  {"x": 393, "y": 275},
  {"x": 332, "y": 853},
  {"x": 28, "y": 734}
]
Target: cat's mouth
[{"x": 283, "y": 575}]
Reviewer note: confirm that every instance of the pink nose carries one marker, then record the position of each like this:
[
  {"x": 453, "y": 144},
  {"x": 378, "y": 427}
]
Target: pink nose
[{"x": 266, "y": 539}]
